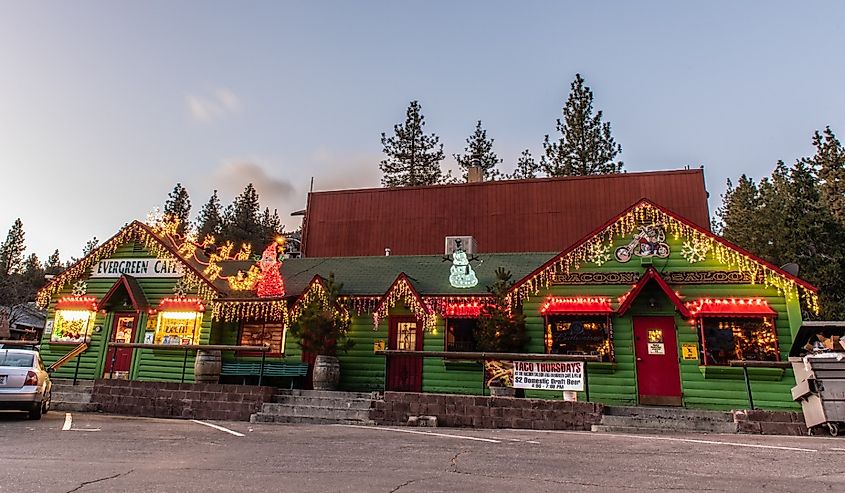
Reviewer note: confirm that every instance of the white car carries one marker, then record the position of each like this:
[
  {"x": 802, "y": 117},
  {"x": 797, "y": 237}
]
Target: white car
[{"x": 24, "y": 382}]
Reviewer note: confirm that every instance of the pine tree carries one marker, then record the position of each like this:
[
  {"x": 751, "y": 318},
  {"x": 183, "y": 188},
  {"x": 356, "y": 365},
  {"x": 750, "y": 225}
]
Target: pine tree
[
  {"x": 526, "y": 167},
  {"x": 413, "y": 158},
  {"x": 585, "y": 146},
  {"x": 829, "y": 162},
  {"x": 178, "y": 206},
  {"x": 500, "y": 329},
  {"x": 11, "y": 251},
  {"x": 210, "y": 218},
  {"x": 53, "y": 265},
  {"x": 33, "y": 275},
  {"x": 271, "y": 224},
  {"x": 90, "y": 246},
  {"x": 479, "y": 152},
  {"x": 740, "y": 213},
  {"x": 323, "y": 325},
  {"x": 242, "y": 220}
]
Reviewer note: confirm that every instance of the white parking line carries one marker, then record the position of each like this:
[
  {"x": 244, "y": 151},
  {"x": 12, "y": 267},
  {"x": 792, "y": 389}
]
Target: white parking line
[
  {"x": 68, "y": 422},
  {"x": 429, "y": 433},
  {"x": 217, "y": 427},
  {"x": 675, "y": 439}
]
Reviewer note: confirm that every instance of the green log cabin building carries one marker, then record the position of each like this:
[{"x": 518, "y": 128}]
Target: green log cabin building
[{"x": 663, "y": 303}]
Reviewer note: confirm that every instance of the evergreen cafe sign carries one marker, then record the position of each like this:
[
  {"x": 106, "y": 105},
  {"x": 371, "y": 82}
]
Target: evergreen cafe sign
[{"x": 138, "y": 267}]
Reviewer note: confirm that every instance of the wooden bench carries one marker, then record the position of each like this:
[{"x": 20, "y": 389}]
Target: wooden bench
[{"x": 271, "y": 369}]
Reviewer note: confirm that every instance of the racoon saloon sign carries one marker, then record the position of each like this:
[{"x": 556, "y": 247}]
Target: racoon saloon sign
[
  {"x": 138, "y": 267},
  {"x": 549, "y": 375}
]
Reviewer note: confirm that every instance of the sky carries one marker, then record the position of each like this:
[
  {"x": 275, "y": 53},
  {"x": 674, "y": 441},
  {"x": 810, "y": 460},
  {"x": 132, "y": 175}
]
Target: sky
[{"x": 105, "y": 106}]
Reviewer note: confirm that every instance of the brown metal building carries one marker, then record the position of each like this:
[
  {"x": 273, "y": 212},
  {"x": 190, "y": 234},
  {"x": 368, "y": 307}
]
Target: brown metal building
[{"x": 541, "y": 215}]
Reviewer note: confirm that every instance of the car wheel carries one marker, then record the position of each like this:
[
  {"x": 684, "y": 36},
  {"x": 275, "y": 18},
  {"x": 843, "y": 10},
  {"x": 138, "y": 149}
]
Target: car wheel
[
  {"x": 45, "y": 406},
  {"x": 35, "y": 412}
]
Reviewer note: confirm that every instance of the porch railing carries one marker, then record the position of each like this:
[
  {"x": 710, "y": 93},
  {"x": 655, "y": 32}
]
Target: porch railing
[
  {"x": 76, "y": 352},
  {"x": 746, "y": 364},
  {"x": 187, "y": 348},
  {"x": 483, "y": 356}
]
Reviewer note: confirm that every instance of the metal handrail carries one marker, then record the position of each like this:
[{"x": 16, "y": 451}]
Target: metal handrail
[
  {"x": 19, "y": 342},
  {"x": 466, "y": 355},
  {"x": 478, "y": 356},
  {"x": 746, "y": 364},
  {"x": 263, "y": 349}
]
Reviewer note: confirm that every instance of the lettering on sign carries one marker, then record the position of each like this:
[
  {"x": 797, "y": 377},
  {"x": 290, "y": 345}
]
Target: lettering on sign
[
  {"x": 550, "y": 375},
  {"x": 656, "y": 348},
  {"x": 138, "y": 267},
  {"x": 689, "y": 351}
]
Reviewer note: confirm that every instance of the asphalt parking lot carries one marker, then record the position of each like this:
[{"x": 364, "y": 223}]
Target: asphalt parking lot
[{"x": 97, "y": 453}]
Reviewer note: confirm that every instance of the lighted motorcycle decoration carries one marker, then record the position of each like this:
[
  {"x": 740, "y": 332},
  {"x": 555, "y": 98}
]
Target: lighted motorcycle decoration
[{"x": 649, "y": 241}]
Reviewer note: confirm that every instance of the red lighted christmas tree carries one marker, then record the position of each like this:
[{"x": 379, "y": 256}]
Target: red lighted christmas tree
[{"x": 270, "y": 283}]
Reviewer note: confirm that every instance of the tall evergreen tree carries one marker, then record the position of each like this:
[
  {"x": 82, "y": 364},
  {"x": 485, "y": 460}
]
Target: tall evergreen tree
[
  {"x": 585, "y": 146},
  {"x": 526, "y": 167},
  {"x": 11, "y": 251},
  {"x": 90, "y": 246},
  {"x": 33, "y": 274},
  {"x": 740, "y": 212},
  {"x": 479, "y": 152},
  {"x": 178, "y": 205},
  {"x": 242, "y": 220},
  {"x": 271, "y": 224},
  {"x": 500, "y": 329},
  {"x": 53, "y": 265},
  {"x": 829, "y": 162},
  {"x": 210, "y": 218},
  {"x": 412, "y": 157}
]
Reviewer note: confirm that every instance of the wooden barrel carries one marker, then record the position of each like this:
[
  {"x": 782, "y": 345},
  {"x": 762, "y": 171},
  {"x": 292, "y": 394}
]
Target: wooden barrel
[
  {"x": 326, "y": 373},
  {"x": 207, "y": 366}
]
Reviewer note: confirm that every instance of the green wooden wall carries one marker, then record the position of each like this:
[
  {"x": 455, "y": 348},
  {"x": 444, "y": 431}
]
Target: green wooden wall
[{"x": 147, "y": 364}]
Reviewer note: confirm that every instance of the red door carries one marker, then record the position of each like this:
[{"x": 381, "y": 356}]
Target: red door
[
  {"x": 404, "y": 373},
  {"x": 658, "y": 371},
  {"x": 119, "y": 360}
]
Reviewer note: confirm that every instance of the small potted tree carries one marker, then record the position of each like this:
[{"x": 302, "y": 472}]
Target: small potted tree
[
  {"x": 322, "y": 328},
  {"x": 500, "y": 330}
]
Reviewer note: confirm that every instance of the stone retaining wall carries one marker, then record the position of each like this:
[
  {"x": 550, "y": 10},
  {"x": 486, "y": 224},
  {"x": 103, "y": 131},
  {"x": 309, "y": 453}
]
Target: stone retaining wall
[
  {"x": 770, "y": 422},
  {"x": 486, "y": 412},
  {"x": 177, "y": 400}
]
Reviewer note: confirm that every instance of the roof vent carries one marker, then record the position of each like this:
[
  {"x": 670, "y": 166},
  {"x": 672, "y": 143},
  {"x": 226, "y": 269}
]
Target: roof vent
[{"x": 467, "y": 244}]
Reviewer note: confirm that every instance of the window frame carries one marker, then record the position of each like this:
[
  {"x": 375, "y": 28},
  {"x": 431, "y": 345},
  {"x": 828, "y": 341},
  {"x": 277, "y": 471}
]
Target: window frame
[
  {"x": 446, "y": 335},
  {"x": 264, "y": 325},
  {"x": 547, "y": 347},
  {"x": 702, "y": 339}
]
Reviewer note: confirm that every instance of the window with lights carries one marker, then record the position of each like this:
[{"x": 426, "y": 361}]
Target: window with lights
[
  {"x": 579, "y": 334},
  {"x": 737, "y": 338},
  {"x": 260, "y": 334},
  {"x": 460, "y": 334}
]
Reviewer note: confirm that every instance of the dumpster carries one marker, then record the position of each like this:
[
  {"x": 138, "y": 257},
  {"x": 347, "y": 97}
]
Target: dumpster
[{"x": 818, "y": 361}]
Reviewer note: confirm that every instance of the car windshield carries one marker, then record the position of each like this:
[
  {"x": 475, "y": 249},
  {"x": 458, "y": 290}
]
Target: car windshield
[{"x": 16, "y": 359}]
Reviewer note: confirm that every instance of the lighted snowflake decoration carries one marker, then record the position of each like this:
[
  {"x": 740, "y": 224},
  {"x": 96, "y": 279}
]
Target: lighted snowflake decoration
[
  {"x": 695, "y": 250},
  {"x": 181, "y": 288},
  {"x": 80, "y": 288},
  {"x": 598, "y": 253}
]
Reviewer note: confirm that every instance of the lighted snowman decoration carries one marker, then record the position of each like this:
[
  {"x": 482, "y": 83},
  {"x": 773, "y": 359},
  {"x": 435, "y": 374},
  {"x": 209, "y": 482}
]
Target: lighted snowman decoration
[{"x": 461, "y": 274}]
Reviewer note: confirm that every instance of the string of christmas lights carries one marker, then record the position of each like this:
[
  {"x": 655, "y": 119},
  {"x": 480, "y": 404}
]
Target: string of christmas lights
[
  {"x": 236, "y": 310},
  {"x": 404, "y": 292},
  {"x": 647, "y": 213}
]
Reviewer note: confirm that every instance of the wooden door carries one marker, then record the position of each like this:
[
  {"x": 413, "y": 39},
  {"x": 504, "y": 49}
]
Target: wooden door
[
  {"x": 658, "y": 370},
  {"x": 119, "y": 360},
  {"x": 404, "y": 373}
]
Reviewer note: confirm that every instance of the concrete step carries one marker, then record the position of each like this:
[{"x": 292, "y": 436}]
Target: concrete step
[
  {"x": 274, "y": 418},
  {"x": 315, "y": 411},
  {"x": 327, "y": 394},
  {"x": 333, "y": 402},
  {"x": 668, "y": 413},
  {"x": 71, "y": 396},
  {"x": 83, "y": 407},
  {"x": 680, "y": 424},
  {"x": 69, "y": 382}
]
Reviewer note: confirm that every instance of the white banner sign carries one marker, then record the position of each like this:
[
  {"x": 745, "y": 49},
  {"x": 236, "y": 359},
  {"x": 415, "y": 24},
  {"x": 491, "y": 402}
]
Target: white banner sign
[
  {"x": 549, "y": 375},
  {"x": 138, "y": 267}
]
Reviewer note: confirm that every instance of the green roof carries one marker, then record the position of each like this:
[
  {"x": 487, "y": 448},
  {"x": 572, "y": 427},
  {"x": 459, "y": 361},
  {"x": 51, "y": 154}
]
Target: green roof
[{"x": 428, "y": 273}]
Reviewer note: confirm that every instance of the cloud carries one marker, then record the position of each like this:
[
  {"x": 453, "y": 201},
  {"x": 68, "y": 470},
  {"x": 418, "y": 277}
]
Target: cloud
[
  {"x": 334, "y": 171},
  {"x": 231, "y": 178},
  {"x": 210, "y": 107}
]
